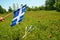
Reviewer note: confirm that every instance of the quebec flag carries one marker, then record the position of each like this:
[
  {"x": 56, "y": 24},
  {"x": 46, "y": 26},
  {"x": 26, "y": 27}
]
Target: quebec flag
[{"x": 18, "y": 15}]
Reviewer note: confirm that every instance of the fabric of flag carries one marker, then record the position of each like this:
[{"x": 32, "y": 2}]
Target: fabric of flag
[{"x": 18, "y": 15}]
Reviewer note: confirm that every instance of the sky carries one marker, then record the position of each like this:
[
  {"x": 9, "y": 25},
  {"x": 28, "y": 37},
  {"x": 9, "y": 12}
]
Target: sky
[{"x": 6, "y": 3}]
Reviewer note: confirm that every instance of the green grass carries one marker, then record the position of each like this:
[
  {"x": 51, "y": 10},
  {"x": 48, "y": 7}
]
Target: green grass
[{"x": 43, "y": 22}]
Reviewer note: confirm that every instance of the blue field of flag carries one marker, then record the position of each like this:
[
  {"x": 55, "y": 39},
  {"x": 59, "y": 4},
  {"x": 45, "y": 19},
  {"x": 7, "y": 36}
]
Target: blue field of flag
[{"x": 18, "y": 15}]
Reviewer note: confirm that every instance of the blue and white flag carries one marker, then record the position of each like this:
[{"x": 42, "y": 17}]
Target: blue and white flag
[{"x": 18, "y": 15}]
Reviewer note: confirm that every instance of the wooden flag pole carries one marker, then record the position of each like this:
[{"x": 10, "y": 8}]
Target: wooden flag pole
[
  {"x": 2, "y": 18},
  {"x": 7, "y": 15}
]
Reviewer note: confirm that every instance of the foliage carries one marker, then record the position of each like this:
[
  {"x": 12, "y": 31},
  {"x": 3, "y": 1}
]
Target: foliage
[
  {"x": 58, "y": 5},
  {"x": 35, "y": 8},
  {"x": 10, "y": 9},
  {"x": 28, "y": 8},
  {"x": 50, "y": 4},
  {"x": 42, "y": 8},
  {"x": 2, "y": 10}
]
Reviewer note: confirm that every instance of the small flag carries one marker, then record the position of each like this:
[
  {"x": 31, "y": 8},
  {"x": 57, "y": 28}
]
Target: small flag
[{"x": 18, "y": 15}]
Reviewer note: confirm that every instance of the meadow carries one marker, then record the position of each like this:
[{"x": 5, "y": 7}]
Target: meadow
[{"x": 46, "y": 26}]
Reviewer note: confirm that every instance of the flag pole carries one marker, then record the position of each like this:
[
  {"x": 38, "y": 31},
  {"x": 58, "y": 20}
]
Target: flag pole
[
  {"x": 7, "y": 15},
  {"x": 3, "y": 18}
]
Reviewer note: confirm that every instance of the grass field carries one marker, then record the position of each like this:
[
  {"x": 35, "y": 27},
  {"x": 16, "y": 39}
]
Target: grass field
[{"x": 46, "y": 26}]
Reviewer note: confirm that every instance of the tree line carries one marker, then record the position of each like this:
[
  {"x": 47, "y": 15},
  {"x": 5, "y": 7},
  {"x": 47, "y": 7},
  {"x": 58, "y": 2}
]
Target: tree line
[
  {"x": 2, "y": 10},
  {"x": 52, "y": 5},
  {"x": 49, "y": 5}
]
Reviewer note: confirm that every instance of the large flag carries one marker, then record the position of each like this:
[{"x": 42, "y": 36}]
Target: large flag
[{"x": 18, "y": 15}]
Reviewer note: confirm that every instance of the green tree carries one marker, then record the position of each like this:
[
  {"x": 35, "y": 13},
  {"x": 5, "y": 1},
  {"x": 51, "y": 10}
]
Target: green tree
[
  {"x": 28, "y": 8},
  {"x": 2, "y": 10},
  {"x": 58, "y": 5},
  {"x": 50, "y": 4},
  {"x": 36, "y": 8},
  {"x": 10, "y": 9},
  {"x": 42, "y": 8}
]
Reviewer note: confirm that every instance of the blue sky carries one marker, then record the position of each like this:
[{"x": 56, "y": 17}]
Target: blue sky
[{"x": 6, "y": 3}]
